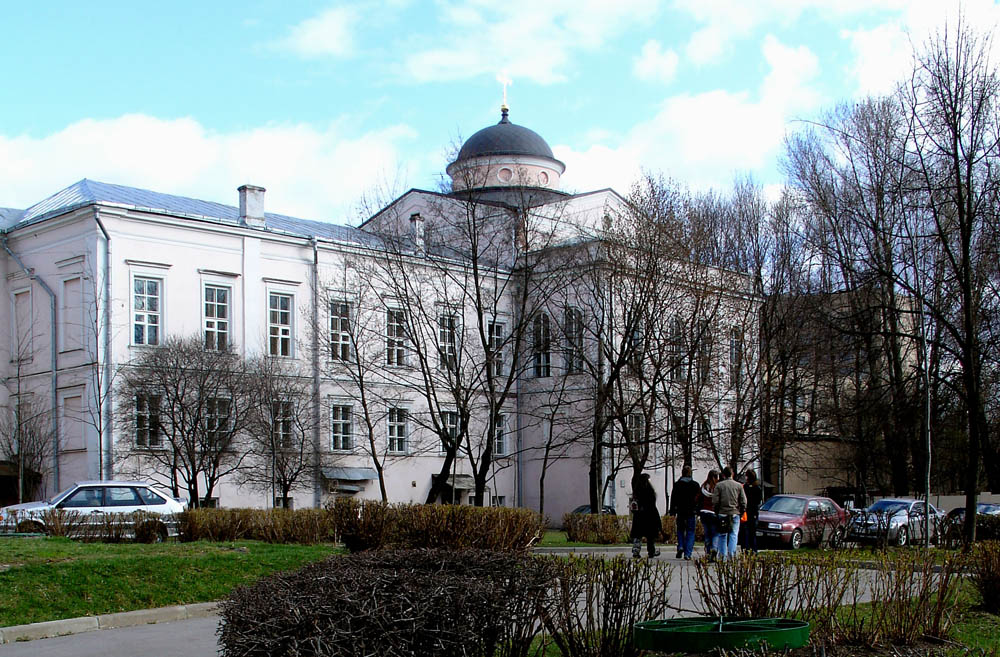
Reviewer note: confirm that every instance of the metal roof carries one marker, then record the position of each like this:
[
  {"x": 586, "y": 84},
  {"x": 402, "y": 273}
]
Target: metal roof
[
  {"x": 350, "y": 474},
  {"x": 89, "y": 192},
  {"x": 505, "y": 138}
]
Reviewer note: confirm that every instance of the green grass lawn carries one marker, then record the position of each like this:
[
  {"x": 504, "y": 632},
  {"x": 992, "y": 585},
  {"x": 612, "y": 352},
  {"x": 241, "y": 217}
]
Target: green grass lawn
[
  {"x": 50, "y": 578},
  {"x": 557, "y": 538}
]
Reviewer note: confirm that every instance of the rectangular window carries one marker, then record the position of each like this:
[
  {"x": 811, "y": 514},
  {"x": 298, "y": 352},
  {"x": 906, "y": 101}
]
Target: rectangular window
[
  {"x": 574, "y": 341},
  {"x": 72, "y": 314},
  {"x": 541, "y": 344},
  {"x": 216, "y": 317},
  {"x": 281, "y": 424},
  {"x": 147, "y": 421},
  {"x": 704, "y": 351},
  {"x": 500, "y": 435},
  {"x": 283, "y": 503},
  {"x": 217, "y": 414},
  {"x": 395, "y": 332},
  {"x": 496, "y": 339},
  {"x": 279, "y": 324},
  {"x": 499, "y": 500},
  {"x": 340, "y": 427},
  {"x": 147, "y": 307},
  {"x": 735, "y": 357},
  {"x": 340, "y": 331},
  {"x": 675, "y": 350},
  {"x": 634, "y": 428},
  {"x": 448, "y": 341},
  {"x": 397, "y": 430},
  {"x": 449, "y": 423}
]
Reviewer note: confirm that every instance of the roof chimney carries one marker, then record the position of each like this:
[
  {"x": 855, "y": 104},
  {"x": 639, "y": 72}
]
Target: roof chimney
[
  {"x": 417, "y": 230},
  {"x": 252, "y": 205}
]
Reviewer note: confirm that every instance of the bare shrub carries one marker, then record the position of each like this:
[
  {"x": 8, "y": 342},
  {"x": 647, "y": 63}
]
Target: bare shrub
[
  {"x": 407, "y": 602},
  {"x": 596, "y": 602},
  {"x": 985, "y": 567}
]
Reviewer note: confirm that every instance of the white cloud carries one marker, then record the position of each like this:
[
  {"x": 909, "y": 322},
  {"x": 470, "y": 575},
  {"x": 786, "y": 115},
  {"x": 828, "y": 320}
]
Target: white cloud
[
  {"x": 706, "y": 138},
  {"x": 310, "y": 172},
  {"x": 533, "y": 41},
  {"x": 330, "y": 33},
  {"x": 654, "y": 63}
]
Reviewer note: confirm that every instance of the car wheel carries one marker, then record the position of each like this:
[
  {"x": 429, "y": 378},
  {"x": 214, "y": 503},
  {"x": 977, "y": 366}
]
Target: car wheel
[
  {"x": 796, "y": 541},
  {"x": 30, "y": 527},
  {"x": 151, "y": 532},
  {"x": 903, "y": 537}
]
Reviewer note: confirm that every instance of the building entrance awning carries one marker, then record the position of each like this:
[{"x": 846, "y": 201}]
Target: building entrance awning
[
  {"x": 458, "y": 481},
  {"x": 350, "y": 474}
]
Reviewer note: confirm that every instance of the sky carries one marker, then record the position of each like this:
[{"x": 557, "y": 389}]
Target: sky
[{"x": 326, "y": 103}]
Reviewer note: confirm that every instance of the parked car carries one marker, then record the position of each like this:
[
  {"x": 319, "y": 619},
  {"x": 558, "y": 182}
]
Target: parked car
[
  {"x": 895, "y": 521},
  {"x": 796, "y": 520},
  {"x": 957, "y": 516},
  {"x": 90, "y": 499},
  {"x": 585, "y": 508}
]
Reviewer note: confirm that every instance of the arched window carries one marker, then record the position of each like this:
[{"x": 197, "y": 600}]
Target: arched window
[{"x": 574, "y": 340}]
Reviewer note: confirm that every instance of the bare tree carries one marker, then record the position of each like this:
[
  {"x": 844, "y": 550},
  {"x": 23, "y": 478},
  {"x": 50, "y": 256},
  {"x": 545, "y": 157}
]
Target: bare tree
[
  {"x": 182, "y": 409},
  {"x": 279, "y": 444}
]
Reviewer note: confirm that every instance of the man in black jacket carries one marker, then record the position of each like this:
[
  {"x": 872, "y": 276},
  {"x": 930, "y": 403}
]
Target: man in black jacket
[{"x": 683, "y": 506}]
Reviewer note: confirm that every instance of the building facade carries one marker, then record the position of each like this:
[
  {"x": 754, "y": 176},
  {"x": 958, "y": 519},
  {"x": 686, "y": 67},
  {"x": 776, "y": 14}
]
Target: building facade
[{"x": 456, "y": 343}]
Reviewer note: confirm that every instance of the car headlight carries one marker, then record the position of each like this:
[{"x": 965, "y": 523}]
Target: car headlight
[
  {"x": 788, "y": 527},
  {"x": 774, "y": 525}
]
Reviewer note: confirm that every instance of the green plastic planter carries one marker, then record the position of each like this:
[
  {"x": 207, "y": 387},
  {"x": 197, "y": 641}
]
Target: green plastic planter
[{"x": 706, "y": 633}]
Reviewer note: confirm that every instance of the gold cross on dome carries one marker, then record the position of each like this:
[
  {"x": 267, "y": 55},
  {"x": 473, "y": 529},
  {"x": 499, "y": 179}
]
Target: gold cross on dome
[{"x": 505, "y": 80}]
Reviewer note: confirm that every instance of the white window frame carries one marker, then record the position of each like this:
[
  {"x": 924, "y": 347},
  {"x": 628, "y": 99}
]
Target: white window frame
[
  {"x": 574, "y": 340},
  {"x": 282, "y": 423},
  {"x": 447, "y": 340},
  {"x": 341, "y": 348},
  {"x": 541, "y": 346},
  {"x": 135, "y": 312},
  {"x": 395, "y": 337},
  {"x": 283, "y": 332},
  {"x": 736, "y": 347},
  {"x": 496, "y": 334},
  {"x": 446, "y": 422},
  {"x": 397, "y": 429},
  {"x": 214, "y": 428},
  {"x": 147, "y": 428},
  {"x": 214, "y": 324},
  {"x": 500, "y": 435},
  {"x": 341, "y": 439}
]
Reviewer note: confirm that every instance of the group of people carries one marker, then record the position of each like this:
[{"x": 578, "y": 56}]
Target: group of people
[{"x": 723, "y": 504}]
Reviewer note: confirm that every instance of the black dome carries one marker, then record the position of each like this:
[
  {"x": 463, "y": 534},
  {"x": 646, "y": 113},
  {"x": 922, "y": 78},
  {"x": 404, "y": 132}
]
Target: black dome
[{"x": 505, "y": 138}]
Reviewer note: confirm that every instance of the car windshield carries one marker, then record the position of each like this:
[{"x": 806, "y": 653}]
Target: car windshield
[
  {"x": 888, "y": 506},
  {"x": 792, "y": 506},
  {"x": 61, "y": 494},
  {"x": 987, "y": 508}
]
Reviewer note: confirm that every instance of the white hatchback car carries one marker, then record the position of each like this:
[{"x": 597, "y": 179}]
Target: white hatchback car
[{"x": 88, "y": 500}]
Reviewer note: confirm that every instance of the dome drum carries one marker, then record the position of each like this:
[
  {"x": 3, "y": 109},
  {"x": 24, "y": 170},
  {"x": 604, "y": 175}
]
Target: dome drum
[{"x": 505, "y": 155}]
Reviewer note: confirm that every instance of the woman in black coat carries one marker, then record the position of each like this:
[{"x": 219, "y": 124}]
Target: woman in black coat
[{"x": 645, "y": 517}]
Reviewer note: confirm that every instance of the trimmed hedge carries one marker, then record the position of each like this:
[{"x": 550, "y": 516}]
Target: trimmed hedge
[
  {"x": 985, "y": 566},
  {"x": 305, "y": 526},
  {"x": 371, "y": 525},
  {"x": 605, "y": 529},
  {"x": 368, "y": 525},
  {"x": 601, "y": 528}
]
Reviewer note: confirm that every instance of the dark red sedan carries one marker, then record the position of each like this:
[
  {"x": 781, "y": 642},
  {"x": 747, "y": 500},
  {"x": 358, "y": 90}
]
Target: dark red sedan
[{"x": 795, "y": 520}]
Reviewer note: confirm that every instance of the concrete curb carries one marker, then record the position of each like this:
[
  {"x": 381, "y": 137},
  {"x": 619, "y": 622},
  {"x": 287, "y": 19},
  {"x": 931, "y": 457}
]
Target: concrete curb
[{"x": 67, "y": 626}]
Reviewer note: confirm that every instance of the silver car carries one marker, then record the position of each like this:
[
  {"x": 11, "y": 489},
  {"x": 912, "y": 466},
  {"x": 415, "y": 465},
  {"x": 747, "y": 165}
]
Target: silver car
[
  {"x": 894, "y": 521},
  {"x": 88, "y": 501}
]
